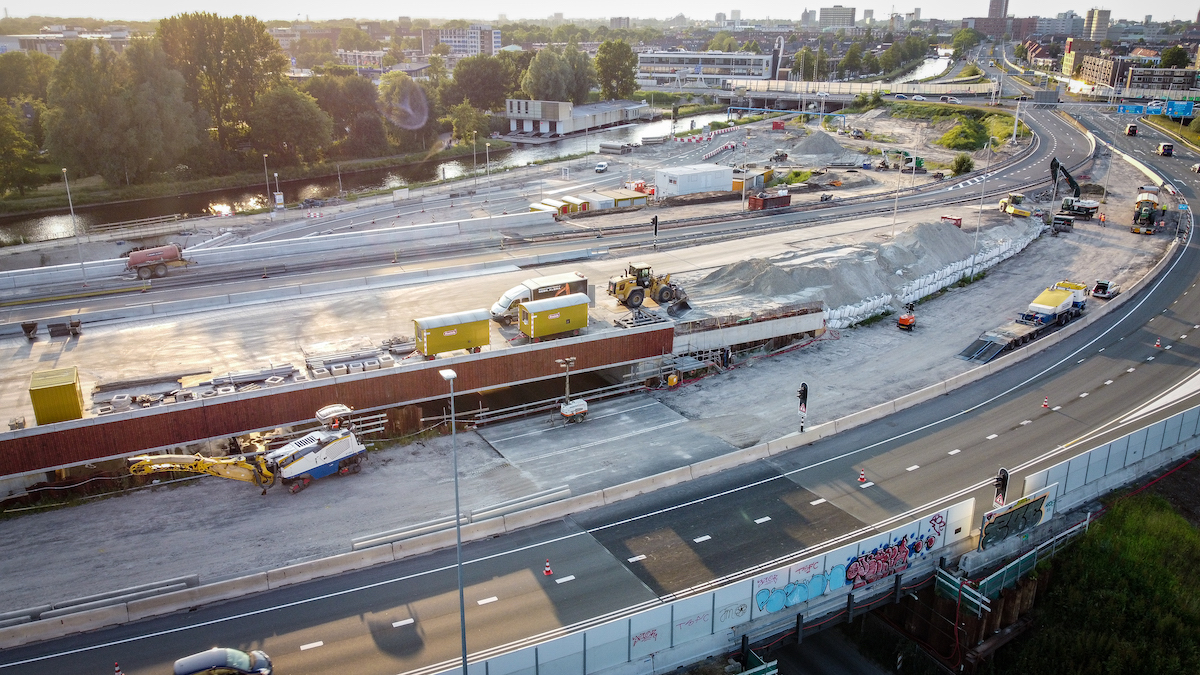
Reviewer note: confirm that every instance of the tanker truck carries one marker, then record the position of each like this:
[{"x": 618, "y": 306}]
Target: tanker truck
[{"x": 153, "y": 262}]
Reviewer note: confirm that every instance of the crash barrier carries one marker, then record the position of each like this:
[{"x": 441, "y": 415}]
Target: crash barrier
[
  {"x": 713, "y": 153},
  {"x": 492, "y": 511},
  {"x": 260, "y": 251},
  {"x": 659, "y": 635},
  {"x": 90, "y": 602}
]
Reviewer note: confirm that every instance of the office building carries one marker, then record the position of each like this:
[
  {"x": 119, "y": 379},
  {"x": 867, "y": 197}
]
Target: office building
[
  {"x": 1095, "y": 24},
  {"x": 916, "y": 13},
  {"x": 735, "y": 15},
  {"x": 836, "y": 17},
  {"x": 1177, "y": 79},
  {"x": 711, "y": 69},
  {"x": 868, "y": 15},
  {"x": 720, "y": 19},
  {"x": 617, "y": 22},
  {"x": 997, "y": 9},
  {"x": 471, "y": 41},
  {"x": 808, "y": 18}
]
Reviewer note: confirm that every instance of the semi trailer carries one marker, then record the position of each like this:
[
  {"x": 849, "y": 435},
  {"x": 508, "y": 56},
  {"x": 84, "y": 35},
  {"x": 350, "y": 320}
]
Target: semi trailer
[{"x": 1052, "y": 308}]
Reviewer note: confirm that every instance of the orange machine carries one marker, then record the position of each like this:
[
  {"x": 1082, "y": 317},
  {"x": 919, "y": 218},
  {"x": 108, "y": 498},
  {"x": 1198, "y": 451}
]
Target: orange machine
[{"x": 907, "y": 320}]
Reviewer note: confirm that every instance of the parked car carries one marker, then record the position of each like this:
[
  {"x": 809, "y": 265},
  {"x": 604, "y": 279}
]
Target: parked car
[
  {"x": 602, "y": 167},
  {"x": 919, "y": 97},
  {"x": 901, "y": 97},
  {"x": 224, "y": 661}
]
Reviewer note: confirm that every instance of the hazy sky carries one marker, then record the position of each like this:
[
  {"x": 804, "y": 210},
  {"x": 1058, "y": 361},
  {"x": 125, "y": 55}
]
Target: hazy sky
[{"x": 144, "y": 10}]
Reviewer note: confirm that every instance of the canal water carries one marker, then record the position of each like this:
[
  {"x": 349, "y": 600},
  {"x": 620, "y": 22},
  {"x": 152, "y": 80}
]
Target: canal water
[
  {"x": 55, "y": 225},
  {"x": 931, "y": 67}
]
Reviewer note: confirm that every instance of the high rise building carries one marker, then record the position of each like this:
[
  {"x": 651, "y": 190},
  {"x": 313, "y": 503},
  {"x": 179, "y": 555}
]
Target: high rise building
[
  {"x": 868, "y": 15},
  {"x": 836, "y": 16},
  {"x": 617, "y": 22},
  {"x": 735, "y": 15},
  {"x": 1095, "y": 24},
  {"x": 472, "y": 41},
  {"x": 808, "y": 18},
  {"x": 720, "y": 18},
  {"x": 916, "y": 13},
  {"x": 997, "y": 9}
]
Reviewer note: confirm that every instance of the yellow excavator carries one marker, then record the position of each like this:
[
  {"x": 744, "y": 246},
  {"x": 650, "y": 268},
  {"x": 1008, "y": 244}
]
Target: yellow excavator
[
  {"x": 331, "y": 449},
  {"x": 1012, "y": 205},
  {"x": 640, "y": 281}
]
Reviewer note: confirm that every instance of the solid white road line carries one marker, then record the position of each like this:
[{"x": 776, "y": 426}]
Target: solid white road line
[
  {"x": 565, "y": 579},
  {"x": 488, "y": 601},
  {"x": 406, "y": 622},
  {"x": 311, "y": 645},
  {"x": 760, "y": 521},
  {"x": 702, "y": 539}
]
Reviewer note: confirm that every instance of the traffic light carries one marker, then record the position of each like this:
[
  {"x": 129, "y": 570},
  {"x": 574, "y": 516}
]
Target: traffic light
[
  {"x": 1001, "y": 483},
  {"x": 654, "y": 222}
]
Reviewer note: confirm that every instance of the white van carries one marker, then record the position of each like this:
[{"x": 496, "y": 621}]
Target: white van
[{"x": 602, "y": 167}]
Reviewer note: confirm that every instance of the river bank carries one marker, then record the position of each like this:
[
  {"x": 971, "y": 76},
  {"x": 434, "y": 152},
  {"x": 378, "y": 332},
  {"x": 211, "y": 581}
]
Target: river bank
[{"x": 52, "y": 198}]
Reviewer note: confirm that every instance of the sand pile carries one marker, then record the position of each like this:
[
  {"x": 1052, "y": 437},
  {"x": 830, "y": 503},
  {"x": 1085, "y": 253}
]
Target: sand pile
[{"x": 819, "y": 143}]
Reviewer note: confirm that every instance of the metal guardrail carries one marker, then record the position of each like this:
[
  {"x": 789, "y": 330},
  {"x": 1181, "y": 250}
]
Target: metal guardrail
[{"x": 127, "y": 224}]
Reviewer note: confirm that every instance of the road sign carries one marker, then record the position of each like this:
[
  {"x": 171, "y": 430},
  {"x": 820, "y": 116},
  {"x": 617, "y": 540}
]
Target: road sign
[
  {"x": 1183, "y": 207},
  {"x": 1131, "y": 109},
  {"x": 1180, "y": 108}
]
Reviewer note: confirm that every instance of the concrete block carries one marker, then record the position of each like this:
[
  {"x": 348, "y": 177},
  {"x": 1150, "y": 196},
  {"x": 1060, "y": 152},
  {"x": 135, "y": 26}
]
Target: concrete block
[
  {"x": 264, "y": 296},
  {"x": 482, "y": 529},
  {"x": 423, "y": 544},
  {"x": 647, "y": 484},
  {"x": 552, "y": 511},
  {"x": 387, "y": 361},
  {"x": 729, "y": 460},
  {"x": 339, "y": 369},
  {"x": 371, "y": 364},
  {"x": 168, "y": 603},
  {"x": 48, "y": 629},
  {"x": 320, "y": 372},
  {"x": 920, "y": 396},
  {"x": 356, "y": 368},
  {"x": 184, "y": 306},
  {"x": 355, "y": 560},
  {"x": 332, "y": 286},
  {"x": 864, "y": 416}
]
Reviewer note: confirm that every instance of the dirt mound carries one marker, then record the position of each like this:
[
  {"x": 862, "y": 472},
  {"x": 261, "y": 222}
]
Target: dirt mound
[{"x": 819, "y": 143}]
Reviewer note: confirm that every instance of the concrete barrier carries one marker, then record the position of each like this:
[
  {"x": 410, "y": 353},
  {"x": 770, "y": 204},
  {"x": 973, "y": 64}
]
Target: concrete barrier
[
  {"x": 332, "y": 286},
  {"x": 267, "y": 295},
  {"x": 49, "y": 629},
  {"x": 168, "y": 603},
  {"x": 108, "y": 602},
  {"x": 729, "y": 460},
  {"x": 647, "y": 484},
  {"x": 861, "y": 417},
  {"x": 553, "y": 511},
  {"x": 315, "y": 569},
  {"x": 191, "y": 304},
  {"x": 482, "y": 529},
  {"x": 424, "y": 543}
]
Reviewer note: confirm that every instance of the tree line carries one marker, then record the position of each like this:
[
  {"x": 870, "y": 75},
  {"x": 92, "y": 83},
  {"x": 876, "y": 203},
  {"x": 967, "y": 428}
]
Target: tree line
[{"x": 208, "y": 95}]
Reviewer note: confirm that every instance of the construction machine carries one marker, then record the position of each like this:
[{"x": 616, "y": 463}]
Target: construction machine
[
  {"x": 1012, "y": 204},
  {"x": 331, "y": 449},
  {"x": 639, "y": 281},
  {"x": 1073, "y": 205},
  {"x": 908, "y": 320}
]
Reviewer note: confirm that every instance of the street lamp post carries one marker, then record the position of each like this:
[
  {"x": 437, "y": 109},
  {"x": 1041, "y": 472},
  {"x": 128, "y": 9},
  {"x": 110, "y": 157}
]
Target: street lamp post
[
  {"x": 474, "y": 165},
  {"x": 449, "y": 376},
  {"x": 267, "y": 180},
  {"x": 896, "y": 201},
  {"x": 487, "y": 161},
  {"x": 979, "y": 216},
  {"x": 75, "y": 227},
  {"x": 276, "y": 184}
]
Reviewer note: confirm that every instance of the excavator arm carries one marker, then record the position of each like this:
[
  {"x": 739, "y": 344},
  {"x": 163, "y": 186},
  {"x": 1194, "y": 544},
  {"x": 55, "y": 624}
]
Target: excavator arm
[
  {"x": 1056, "y": 167},
  {"x": 250, "y": 469}
]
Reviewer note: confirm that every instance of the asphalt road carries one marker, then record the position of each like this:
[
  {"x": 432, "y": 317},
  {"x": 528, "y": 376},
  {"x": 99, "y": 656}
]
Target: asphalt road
[{"x": 620, "y": 557}]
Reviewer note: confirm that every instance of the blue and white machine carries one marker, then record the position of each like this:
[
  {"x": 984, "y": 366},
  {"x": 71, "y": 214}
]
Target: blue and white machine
[{"x": 331, "y": 449}]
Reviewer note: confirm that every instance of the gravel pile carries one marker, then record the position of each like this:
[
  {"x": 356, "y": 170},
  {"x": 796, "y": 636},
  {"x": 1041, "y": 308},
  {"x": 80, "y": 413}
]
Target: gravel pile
[{"x": 819, "y": 143}]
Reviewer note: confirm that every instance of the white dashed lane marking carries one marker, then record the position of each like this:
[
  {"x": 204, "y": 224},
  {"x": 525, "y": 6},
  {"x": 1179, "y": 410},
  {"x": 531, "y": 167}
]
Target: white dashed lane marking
[
  {"x": 1057, "y": 407},
  {"x": 570, "y": 577},
  {"x": 1083, "y": 395},
  {"x": 1024, "y": 422},
  {"x": 703, "y": 539},
  {"x": 760, "y": 521},
  {"x": 488, "y": 601},
  {"x": 817, "y": 501},
  {"x": 406, "y": 622},
  {"x": 993, "y": 436},
  {"x": 311, "y": 645},
  {"x": 866, "y": 485},
  {"x": 637, "y": 558},
  {"x": 914, "y": 467},
  {"x": 954, "y": 452}
]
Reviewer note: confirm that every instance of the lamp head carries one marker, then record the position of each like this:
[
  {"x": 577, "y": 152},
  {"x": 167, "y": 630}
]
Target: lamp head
[{"x": 448, "y": 374}]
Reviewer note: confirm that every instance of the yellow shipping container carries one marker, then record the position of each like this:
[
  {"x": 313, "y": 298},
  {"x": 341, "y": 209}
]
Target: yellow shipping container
[
  {"x": 56, "y": 395},
  {"x": 448, "y": 332}
]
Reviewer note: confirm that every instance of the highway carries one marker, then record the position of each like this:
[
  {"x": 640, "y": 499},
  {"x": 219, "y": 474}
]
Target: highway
[{"x": 721, "y": 527}]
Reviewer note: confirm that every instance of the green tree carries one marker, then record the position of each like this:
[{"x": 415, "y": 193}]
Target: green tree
[
  {"x": 436, "y": 72},
  {"x": 355, "y": 40},
  {"x": 86, "y": 117},
  {"x": 313, "y": 53},
  {"x": 403, "y": 102},
  {"x": 161, "y": 126},
  {"x": 852, "y": 61},
  {"x": 1174, "y": 57},
  {"x": 289, "y": 125},
  {"x": 962, "y": 164},
  {"x": 515, "y": 64},
  {"x": 344, "y": 98},
  {"x": 441, "y": 49},
  {"x": 870, "y": 63},
  {"x": 483, "y": 79},
  {"x": 367, "y": 137},
  {"x": 25, "y": 74},
  {"x": 464, "y": 119},
  {"x": 1020, "y": 52},
  {"x": 803, "y": 63},
  {"x": 582, "y": 73},
  {"x": 17, "y": 155},
  {"x": 616, "y": 68},
  {"x": 548, "y": 77},
  {"x": 225, "y": 62},
  {"x": 752, "y": 47}
]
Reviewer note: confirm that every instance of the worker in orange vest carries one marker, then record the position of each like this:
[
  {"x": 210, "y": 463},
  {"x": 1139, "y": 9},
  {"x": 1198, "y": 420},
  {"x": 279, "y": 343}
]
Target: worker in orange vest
[{"x": 1102, "y": 218}]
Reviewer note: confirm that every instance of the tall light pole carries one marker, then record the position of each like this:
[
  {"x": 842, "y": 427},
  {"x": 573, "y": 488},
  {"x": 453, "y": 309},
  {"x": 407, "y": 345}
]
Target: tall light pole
[
  {"x": 276, "y": 184},
  {"x": 474, "y": 164},
  {"x": 449, "y": 376},
  {"x": 567, "y": 363},
  {"x": 896, "y": 202},
  {"x": 74, "y": 227},
  {"x": 267, "y": 180},
  {"x": 487, "y": 161},
  {"x": 979, "y": 216}
]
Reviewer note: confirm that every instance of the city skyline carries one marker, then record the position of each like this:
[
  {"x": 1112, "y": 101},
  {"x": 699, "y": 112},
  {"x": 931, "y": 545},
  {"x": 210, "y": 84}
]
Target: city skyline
[{"x": 480, "y": 10}]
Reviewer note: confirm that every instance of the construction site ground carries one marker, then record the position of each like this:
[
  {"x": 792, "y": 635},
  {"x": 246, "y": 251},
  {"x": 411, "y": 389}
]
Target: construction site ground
[{"x": 167, "y": 531}]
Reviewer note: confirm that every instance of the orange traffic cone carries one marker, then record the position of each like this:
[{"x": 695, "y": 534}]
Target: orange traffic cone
[
  {"x": 862, "y": 475},
  {"x": 1046, "y": 402},
  {"x": 1157, "y": 343},
  {"x": 547, "y": 572},
  {"x": 117, "y": 669}
]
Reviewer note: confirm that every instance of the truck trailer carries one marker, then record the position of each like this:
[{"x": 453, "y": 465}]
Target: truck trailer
[
  {"x": 504, "y": 311},
  {"x": 449, "y": 332},
  {"x": 1056, "y": 306},
  {"x": 153, "y": 262}
]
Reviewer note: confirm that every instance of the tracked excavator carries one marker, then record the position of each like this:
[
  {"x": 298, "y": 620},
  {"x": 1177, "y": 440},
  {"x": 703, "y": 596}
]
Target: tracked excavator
[
  {"x": 331, "y": 449},
  {"x": 1074, "y": 206}
]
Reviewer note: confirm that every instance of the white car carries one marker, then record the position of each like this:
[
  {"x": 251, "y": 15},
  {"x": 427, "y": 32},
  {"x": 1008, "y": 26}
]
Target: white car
[
  {"x": 602, "y": 167},
  {"x": 1196, "y": 168},
  {"x": 822, "y": 94},
  {"x": 953, "y": 100},
  {"x": 918, "y": 97}
]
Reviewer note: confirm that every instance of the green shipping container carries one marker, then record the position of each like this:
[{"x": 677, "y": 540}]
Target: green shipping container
[
  {"x": 448, "y": 332},
  {"x": 56, "y": 395},
  {"x": 541, "y": 319}
]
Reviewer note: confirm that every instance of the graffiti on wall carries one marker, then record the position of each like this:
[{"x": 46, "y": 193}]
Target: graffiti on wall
[
  {"x": 879, "y": 563},
  {"x": 1017, "y": 518}
]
